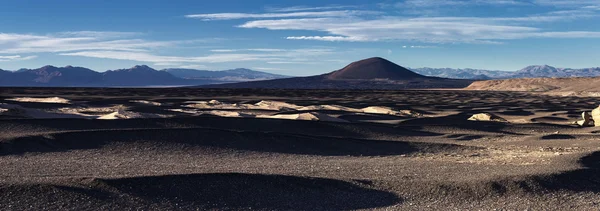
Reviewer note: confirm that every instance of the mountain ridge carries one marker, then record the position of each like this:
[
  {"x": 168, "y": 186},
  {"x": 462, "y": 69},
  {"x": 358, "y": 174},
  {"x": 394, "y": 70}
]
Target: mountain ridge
[
  {"x": 143, "y": 75},
  {"x": 371, "y": 73},
  {"x": 532, "y": 71}
]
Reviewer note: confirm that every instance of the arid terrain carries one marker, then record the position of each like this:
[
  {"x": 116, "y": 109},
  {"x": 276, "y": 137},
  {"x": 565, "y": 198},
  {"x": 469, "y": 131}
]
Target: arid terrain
[
  {"x": 550, "y": 86},
  {"x": 242, "y": 149}
]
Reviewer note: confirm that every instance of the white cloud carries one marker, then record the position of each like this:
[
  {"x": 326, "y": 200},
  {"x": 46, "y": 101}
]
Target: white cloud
[
  {"x": 251, "y": 49},
  {"x": 232, "y": 16},
  {"x": 567, "y": 3},
  {"x": 326, "y": 38},
  {"x": 304, "y": 8},
  {"x": 442, "y": 3},
  {"x": 77, "y": 41},
  {"x": 160, "y": 60},
  {"x": 193, "y": 66},
  {"x": 15, "y": 58},
  {"x": 424, "y": 29}
]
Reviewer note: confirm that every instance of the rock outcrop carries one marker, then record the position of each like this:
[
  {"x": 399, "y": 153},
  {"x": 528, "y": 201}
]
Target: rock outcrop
[
  {"x": 487, "y": 117},
  {"x": 596, "y": 116}
]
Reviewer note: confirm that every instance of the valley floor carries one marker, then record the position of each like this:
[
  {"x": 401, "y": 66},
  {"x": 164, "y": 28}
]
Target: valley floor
[{"x": 430, "y": 158}]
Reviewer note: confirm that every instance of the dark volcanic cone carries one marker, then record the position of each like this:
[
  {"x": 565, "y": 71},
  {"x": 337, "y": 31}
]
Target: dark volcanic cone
[{"x": 373, "y": 68}]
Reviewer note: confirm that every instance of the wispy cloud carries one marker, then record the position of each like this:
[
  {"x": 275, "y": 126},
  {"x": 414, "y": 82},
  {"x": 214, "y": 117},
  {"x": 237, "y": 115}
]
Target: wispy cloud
[
  {"x": 251, "y": 49},
  {"x": 15, "y": 58},
  {"x": 77, "y": 41},
  {"x": 232, "y": 16},
  {"x": 567, "y": 3},
  {"x": 443, "y": 3},
  {"x": 265, "y": 55},
  {"x": 305, "y": 8},
  {"x": 428, "y": 29}
]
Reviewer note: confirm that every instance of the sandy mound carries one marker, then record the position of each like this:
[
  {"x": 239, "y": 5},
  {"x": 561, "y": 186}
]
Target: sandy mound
[
  {"x": 215, "y": 104},
  {"x": 41, "y": 100},
  {"x": 17, "y": 111},
  {"x": 276, "y": 105},
  {"x": 146, "y": 102},
  {"x": 329, "y": 108},
  {"x": 389, "y": 111},
  {"x": 262, "y": 105},
  {"x": 228, "y": 114},
  {"x": 122, "y": 114},
  {"x": 551, "y": 85},
  {"x": 312, "y": 116},
  {"x": 487, "y": 117}
]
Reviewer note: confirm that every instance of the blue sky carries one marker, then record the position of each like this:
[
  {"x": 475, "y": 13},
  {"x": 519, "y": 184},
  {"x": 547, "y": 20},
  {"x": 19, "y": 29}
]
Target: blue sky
[{"x": 299, "y": 37}]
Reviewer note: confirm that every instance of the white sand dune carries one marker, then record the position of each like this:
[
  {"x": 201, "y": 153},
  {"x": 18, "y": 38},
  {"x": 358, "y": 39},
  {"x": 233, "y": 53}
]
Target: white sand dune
[
  {"x": 122, "y": 114},
  {"x": 22, "y": 112},
  {"x": 276, "y": 105},
  {"x": 283, "y": 106},
  {"x": 262, "y": 105},
  {"x": 312, "y": 116},
  {"x": 215, "y": 113},
  {"x": 146, "y": 102},
  {"x": 389, "y": 111},
  {"x": 329, "y": 108},
  {"x": 41, "y": 100},
  {"x": 229, "y": 114}
]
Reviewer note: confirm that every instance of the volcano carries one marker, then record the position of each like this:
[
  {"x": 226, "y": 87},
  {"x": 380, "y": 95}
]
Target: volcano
[
  {"x": 373, "y": 68},
  {"x": 371, "y": 73}
]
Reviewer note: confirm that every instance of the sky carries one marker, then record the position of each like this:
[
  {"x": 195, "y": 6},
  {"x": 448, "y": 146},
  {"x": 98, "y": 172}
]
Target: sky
[{"x": 299, "y": 37}]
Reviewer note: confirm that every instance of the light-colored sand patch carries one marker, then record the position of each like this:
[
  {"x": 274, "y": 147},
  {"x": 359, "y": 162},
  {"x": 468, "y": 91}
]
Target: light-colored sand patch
[
  {"x": 18, "y": 111},
  {"x": 122, "y": 114},
  {"x": 389, "y": 111},
  {"x": 146, "y": 102},
  {"x": 186, "y": 111},
  {"x": 276, "y": 105},
  {"x": 312, "y": 116},
  {"x": 329, "y": 108},
  {"x": 215, "y": 104},
  {"x": 41, "y": 100},
  {"x": 229, "y": 114}
]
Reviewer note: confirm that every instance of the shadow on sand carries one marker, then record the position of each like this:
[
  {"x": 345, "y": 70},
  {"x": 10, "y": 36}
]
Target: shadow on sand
[
  {"x": 228, "y": 191},
  {"x": 581, "y": 180},
  {"x": 213, "y": 139}
]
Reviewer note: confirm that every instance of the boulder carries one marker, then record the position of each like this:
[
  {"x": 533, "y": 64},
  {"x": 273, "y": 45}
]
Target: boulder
[
  {"x": 596, "y": 116},
  {"x": 487, "y": 117},
  {"x": 586, "y": 120}
]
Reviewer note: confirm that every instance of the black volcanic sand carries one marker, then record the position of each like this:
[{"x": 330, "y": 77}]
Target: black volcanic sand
[{"x": 436, "y": 162}]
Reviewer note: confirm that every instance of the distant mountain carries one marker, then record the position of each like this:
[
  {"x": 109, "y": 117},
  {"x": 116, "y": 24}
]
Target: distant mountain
[
  {"x": 239, "y": 74},
  {"x": 51, "y": 76},
  {"x": 462, "y": 73},
  {"x": 372, "y": 73},
  {"x": 140, "y": 75},
  {"x": 373, "y": 68},
  {"x": 545, "y": 71},
  {"x": 535, "y": 71}
]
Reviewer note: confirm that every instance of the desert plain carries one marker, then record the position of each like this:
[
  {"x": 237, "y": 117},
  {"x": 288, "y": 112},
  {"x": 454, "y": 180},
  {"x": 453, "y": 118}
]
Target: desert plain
[{"x": 253, "y": 149}]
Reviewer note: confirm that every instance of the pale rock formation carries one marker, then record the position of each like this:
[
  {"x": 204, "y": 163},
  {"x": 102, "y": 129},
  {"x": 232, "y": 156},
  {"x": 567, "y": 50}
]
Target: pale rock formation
[
  {"x": 596, "y": 116},
  {"x": 487, "y": 117},
  {"x": 41, "y": 100}
]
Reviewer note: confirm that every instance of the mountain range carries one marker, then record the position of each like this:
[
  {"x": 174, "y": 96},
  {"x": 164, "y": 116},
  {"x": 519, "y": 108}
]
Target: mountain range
[
  {"x": 372, "y": 73},
  {"x": 368, "y": 73},
  {"x": 534, "y": 71},
  {"x": 137, "y": 76},
  {"x": 239, "y": 74}
]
